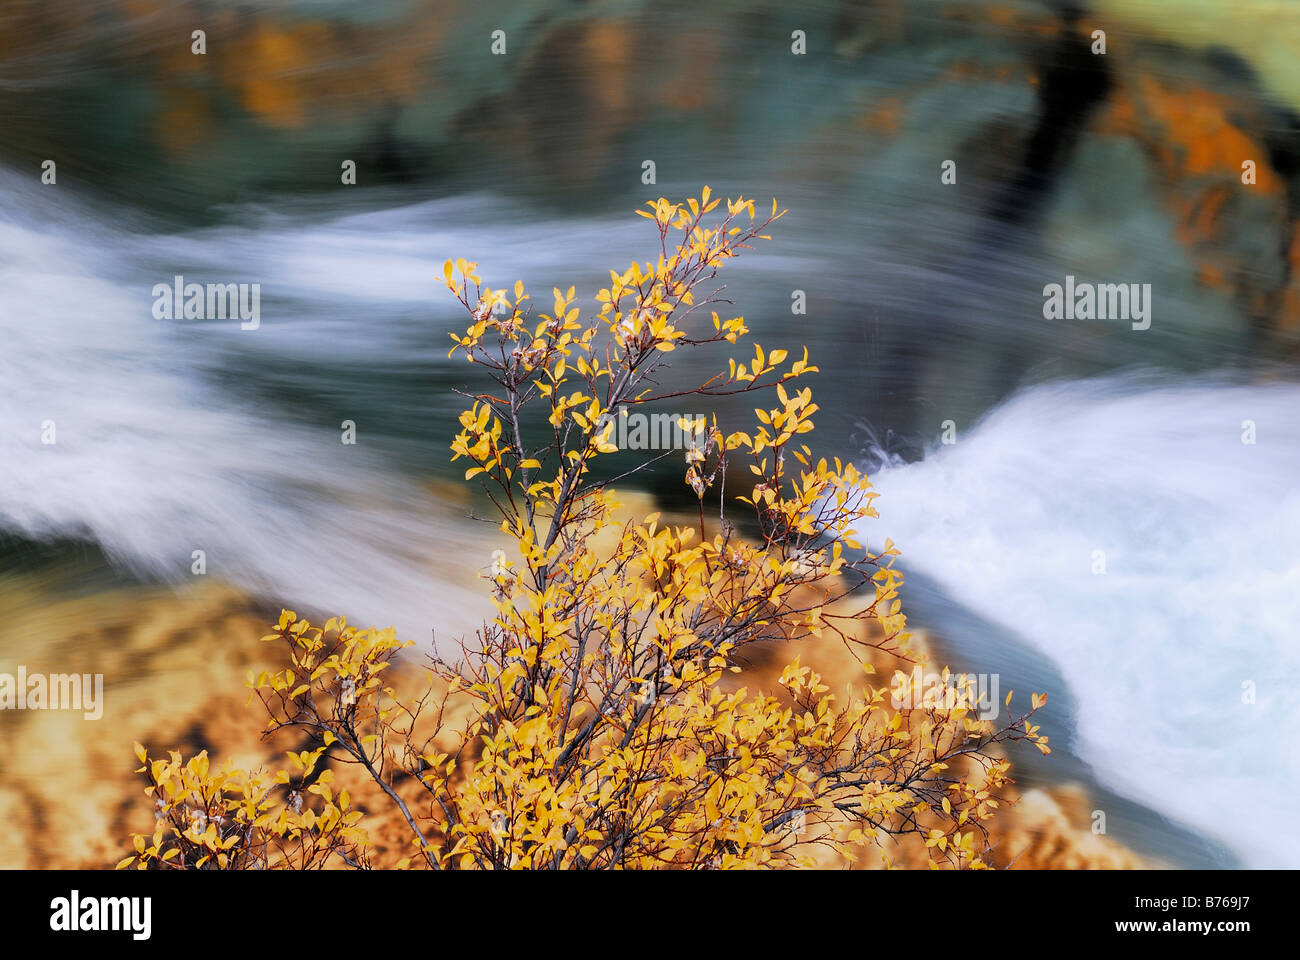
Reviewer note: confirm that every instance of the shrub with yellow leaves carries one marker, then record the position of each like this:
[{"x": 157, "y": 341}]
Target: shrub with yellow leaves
[
  {"x": 598, "y": 722},
  {"x": 233, "y": 820}
]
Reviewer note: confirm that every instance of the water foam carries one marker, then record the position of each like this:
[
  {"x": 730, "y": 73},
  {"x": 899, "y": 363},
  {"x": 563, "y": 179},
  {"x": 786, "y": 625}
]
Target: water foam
[
  {"x": 152, "y": 461},
  {"x": 1200, "y": 594}
]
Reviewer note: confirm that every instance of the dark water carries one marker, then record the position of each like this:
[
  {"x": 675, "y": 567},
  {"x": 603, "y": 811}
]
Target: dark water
[{"x": 924, "y": 298}]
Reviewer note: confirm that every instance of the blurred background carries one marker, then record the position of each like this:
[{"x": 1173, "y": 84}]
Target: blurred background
[{"x": 924, "y": 311}]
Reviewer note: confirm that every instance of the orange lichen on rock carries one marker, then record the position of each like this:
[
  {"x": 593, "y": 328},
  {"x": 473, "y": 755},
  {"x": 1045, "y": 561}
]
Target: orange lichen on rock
[{"x": 1201, "y": 144}]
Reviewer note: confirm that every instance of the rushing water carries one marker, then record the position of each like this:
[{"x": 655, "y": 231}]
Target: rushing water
[
  {"x": 924, "y": 313},
  {"x": 175, "y": 436},
  {"x": 1122, "y": 528}
]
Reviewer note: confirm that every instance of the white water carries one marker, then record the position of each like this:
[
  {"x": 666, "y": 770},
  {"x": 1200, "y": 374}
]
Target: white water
[
  {"x": 158, "y": 454},
  {"x": 1201, "y": 590},
  {"x": 155, "y": 459},
  {"x": 152, "y": 464}
]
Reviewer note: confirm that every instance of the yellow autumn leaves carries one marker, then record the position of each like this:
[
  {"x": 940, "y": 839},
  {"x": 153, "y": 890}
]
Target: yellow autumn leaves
[{"x": 596, "y": 721}]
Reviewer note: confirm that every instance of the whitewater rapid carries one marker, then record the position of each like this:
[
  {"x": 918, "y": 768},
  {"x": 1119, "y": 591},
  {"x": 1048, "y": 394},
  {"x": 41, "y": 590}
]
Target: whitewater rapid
[
  {"x": 157, "y": 456},
  {"x": 1123, "y": 527},
  {"x": 160, "y": 449},
  {"x": 159, "y": 452}
]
